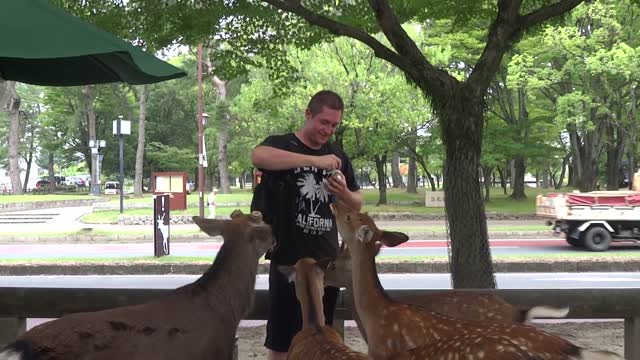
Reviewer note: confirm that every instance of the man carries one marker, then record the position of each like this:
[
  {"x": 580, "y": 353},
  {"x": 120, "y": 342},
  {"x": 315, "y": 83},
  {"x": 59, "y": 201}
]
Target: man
[{"x": 303, "y": 224}]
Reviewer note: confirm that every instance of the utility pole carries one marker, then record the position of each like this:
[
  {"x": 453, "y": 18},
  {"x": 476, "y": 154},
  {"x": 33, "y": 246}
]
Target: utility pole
[{"x": 200, "y": 135}]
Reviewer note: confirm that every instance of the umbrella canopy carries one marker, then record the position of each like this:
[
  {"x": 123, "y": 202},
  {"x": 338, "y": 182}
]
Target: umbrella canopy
[{"x": 44, "y": 45}]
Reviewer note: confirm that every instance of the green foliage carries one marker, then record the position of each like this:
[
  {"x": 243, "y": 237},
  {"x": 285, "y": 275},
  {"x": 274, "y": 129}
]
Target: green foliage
[{"x": 167, "y": 158}]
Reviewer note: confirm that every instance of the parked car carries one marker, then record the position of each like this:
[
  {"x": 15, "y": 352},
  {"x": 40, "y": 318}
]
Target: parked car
[
  {"x": 42, "y": 183},
  {"x": 75, "y": 180},
  {"x": 111, "y": 188}
]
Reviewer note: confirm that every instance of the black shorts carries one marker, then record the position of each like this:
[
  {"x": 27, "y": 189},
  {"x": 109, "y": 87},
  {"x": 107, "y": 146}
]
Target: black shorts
[{"x": 285, "y": 318}]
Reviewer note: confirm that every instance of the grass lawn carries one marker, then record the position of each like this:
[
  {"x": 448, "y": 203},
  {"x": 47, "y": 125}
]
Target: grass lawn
[
  {"x": 399, "y": 201},
  {"x": 500, "y": 203}
]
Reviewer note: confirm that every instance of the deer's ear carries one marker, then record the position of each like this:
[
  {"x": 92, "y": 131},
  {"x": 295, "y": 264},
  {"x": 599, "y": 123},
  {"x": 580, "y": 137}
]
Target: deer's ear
[
  {"x": 393, "y": 238},
  {"x": 210, "y": 227},
  {"x": 288, "y": 271},
  {"x": 364, "y": 233}
]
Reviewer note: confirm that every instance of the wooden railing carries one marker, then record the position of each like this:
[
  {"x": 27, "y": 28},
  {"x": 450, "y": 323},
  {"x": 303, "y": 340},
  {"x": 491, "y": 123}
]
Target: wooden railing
[{"x": 18, "y": 304}]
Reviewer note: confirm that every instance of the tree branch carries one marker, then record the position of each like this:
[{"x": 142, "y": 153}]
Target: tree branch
[
  {"x": 341, "y": 29},
  {"x": 503, "y": 30},
  {"x": 403, "y": 44},
  {"x": 547, "y": 12},
  {"x": 507, "y": 26}
]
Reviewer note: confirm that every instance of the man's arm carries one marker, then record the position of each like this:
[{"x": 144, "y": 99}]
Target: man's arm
[
  {"x": 353, "y": 199},
  {"x": 270, "y": 158},
  {"x": 337, "y": 185}
]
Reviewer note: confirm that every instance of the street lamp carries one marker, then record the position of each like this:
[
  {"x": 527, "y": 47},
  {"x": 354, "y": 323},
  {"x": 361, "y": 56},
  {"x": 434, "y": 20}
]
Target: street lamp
[
  {"x": 95, "y": 146},
  {"x": 120, "y": 128}
]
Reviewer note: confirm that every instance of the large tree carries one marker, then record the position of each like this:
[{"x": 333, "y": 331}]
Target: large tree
[{"x": 459, "y": 104}]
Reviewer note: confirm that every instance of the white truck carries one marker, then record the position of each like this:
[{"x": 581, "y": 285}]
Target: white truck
[{"x": 593, "y": 219}]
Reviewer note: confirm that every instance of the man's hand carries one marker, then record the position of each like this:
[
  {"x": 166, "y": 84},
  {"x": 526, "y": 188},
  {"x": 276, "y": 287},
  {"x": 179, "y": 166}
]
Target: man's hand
[
  {"x": 328, "y": 162},
  {"x": 336, "y": 183}
]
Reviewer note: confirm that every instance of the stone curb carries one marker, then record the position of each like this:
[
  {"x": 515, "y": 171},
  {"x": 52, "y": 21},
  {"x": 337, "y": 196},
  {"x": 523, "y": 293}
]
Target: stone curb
[
  {"x": 48, "y": 204},
  {"x": 384, "y": 267}
]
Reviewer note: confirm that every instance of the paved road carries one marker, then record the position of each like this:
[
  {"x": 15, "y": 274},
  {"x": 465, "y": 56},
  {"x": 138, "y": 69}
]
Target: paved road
[
  {"x": 411, "y": 248},
  {"x": 389, "y": 281}
]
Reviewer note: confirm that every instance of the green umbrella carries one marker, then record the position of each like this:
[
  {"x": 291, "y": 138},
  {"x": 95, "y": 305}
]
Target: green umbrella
[{"x": 44, "y": 45}]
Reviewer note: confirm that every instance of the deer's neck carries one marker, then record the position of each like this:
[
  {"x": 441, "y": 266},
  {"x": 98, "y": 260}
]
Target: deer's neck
[
  {"x": 312, "y": 311},
  {"x": 230, "y": 281},
  {"x": 369, "y": 296}
]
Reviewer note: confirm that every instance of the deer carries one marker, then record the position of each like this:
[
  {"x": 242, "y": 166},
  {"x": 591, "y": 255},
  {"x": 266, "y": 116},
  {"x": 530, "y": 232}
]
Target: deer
[
  {"x": 196, "y": 321},
  {"x": 456, "y": 303},
  {"x": 397, "y": 330},
  {"x": 316, "y": 340}
]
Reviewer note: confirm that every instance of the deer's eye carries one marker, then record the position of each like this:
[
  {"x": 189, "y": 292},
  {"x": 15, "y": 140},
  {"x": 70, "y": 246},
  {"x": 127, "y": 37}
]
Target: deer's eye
[{"x": 348, "y": 217}]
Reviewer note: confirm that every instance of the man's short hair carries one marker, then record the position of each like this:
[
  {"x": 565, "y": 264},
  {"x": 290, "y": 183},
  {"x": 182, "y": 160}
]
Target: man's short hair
[{"x": 324, "y": 98}]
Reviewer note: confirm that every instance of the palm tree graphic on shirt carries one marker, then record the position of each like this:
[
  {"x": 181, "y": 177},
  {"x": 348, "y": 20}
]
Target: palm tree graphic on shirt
[{"x": 310, "y": 189}]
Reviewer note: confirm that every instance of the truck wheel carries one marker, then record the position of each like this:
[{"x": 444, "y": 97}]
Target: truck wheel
[
  {"x": 574, "y": 242},
  {"x": 597, "y": 239}
]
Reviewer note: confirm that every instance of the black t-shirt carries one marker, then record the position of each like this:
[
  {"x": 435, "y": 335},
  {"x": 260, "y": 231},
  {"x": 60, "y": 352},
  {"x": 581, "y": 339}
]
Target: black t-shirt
[{"x": 306, "y": 225}]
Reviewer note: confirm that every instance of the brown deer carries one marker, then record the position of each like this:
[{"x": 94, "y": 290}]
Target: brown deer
[
  {"x": 455, "y": 303},
  {"x": 315, "y": 341},
  {"x": 196, "y": 321},
  {"x": 397, "y": 330}
]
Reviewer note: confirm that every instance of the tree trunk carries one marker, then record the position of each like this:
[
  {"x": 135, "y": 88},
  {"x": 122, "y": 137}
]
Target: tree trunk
[
  {"x": 518, "y": 179},
  {"x": 616, "y": 145},
  {"x": 546, "y": 174},
  {"x": 426, "y": 171},
  {"x": 396, "y": 177},
  {"x": 223, "y": 161},
  {"x": 51, "y": 173},
  {"x": 137, "y": 183},
  {"x": 462, "y": 121},
  {"x": 29, "y": 161},
  {"x": 512, "y": 172},
  {"x": 563, "y": 171},
  {"x": 5, "y": 94},
  {"x": 381, "y": 162},
  {"x": 632, "y": 166},
  {"x": 90, "y": 113},
  {"x": 633, "y": 112},
  {"x": 14, "y": 139},
  {"x": 486, "y": 176},
  {"x": 223, "y": 126},
  {"x": 503, "y": 179},
  {"x": 412, "y": 175}
]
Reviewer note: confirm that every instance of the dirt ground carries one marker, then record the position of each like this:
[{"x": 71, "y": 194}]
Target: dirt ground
[{"x": 601, "y": 335}]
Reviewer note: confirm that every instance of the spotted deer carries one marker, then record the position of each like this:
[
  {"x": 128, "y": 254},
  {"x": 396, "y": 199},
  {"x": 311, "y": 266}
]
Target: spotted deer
[
  {"x": 456, "y": 303},
  {"x": 315, "y": 341},
  {"x": 402, "y": 331},
  {"x": 196, "y": 321}
]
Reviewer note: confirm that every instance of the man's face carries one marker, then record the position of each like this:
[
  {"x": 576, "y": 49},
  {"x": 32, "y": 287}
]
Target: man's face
[{"x": 322, "y": 125}]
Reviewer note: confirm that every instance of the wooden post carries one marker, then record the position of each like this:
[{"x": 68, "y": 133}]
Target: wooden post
[
  {"x": 10, "y": 329},
  {"x": 632, "y": 338}
]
